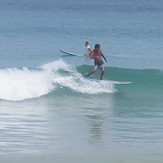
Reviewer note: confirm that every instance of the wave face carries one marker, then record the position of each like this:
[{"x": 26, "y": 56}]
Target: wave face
[
  {"x": 21, "y": 84},
  {"x": 142, "y": 79}
]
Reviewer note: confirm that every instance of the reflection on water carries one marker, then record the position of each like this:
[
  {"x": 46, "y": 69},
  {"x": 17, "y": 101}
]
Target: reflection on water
[
  {"x": 96, "y": 128},
  {"x": 97, "y": 114}
]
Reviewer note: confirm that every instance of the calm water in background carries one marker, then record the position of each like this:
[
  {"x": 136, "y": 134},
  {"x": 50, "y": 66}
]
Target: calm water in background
[{"x": 49, "y": 112}]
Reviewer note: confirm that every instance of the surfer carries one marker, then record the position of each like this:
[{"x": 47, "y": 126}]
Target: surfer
[
  {"x": 88, "y": 48},
  {"x": 97, "y": 55}
]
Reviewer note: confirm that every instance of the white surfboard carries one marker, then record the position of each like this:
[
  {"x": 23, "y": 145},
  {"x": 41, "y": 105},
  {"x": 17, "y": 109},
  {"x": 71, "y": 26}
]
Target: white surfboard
[
  {"x": 109, "y": 81},
  {"x": 71, "y": 54}
]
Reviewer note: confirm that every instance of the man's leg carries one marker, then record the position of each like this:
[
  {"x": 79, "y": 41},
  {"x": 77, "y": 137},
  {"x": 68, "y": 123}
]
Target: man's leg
[
  {"x": 102, "y": 72},
  {"x": 92, "y": 72}
]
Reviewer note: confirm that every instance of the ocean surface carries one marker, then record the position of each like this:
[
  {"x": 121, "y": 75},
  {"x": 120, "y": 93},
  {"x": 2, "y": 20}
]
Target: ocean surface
[{"x": 50, "y": 113}]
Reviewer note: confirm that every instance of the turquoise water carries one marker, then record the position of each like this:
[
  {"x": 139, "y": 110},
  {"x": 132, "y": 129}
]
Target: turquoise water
[{"x": 49, "y": 112}]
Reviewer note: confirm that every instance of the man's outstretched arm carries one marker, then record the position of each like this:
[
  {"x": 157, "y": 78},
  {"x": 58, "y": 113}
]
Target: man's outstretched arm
[{"x": 103, "y": 57}]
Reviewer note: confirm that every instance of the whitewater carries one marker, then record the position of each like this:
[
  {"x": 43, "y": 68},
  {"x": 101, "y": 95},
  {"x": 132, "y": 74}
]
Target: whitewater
[{"x": 21, "y": 84}]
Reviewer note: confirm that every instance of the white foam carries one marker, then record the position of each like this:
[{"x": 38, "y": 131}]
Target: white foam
[
  {"x": 75, "y": 81},
  {"x": 20, "y": 84}
]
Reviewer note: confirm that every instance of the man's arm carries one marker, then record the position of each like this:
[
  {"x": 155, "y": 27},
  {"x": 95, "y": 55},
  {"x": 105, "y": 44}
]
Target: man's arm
[
  {"x": 103, "y": 57},
  {"x": 91, "y": 54}
]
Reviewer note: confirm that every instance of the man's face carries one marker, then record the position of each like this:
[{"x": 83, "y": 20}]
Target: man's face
[{"x": 97, "y": 48}]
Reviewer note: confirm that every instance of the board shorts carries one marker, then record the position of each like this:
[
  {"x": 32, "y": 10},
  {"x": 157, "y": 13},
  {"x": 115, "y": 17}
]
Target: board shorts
[{"x": 99, "y": 65}]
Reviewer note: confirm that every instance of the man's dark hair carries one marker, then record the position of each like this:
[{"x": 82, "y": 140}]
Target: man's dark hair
[{"x": 97, "y": 46}]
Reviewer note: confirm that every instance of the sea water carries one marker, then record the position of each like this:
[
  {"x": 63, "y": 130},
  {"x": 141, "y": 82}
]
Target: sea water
[{"x": 49, "y": 112}]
